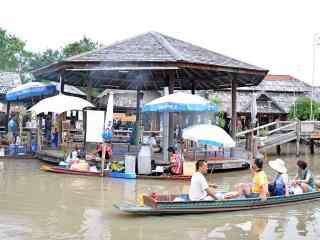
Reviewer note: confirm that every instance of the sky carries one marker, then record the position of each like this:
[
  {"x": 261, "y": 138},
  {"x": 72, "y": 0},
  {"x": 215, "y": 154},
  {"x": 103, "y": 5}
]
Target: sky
[{"x": 277, "y": 35}]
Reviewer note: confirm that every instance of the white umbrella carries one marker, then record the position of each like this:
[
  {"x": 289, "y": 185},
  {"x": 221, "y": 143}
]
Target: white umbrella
[
  {"x": 208, "y": 134},
  {"x": 60, "y": 103},
  {"x": 179, "y": 102}
]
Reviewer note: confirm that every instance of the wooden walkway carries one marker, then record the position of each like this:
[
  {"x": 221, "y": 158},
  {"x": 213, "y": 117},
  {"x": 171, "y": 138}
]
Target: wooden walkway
[{"x": 278, "y": 133}]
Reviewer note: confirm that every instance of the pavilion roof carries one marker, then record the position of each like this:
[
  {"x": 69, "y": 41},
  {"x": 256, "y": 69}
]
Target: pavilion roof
[{"x": 149, "y": 61}]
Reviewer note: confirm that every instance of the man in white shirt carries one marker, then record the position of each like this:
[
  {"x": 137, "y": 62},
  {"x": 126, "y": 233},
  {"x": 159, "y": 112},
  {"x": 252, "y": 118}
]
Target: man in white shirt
[{"x": 199, "y": 188}]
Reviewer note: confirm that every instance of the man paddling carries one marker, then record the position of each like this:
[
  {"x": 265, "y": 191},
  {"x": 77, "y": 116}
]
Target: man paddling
[{"x": 199, "y": 188}]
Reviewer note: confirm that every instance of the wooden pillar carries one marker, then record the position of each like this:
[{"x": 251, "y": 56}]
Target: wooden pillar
[
  {"x": 165, "y": 131},
  {"x": 171, "y": 117},
  {"x": 278, "y": 149},
  {"x": 61, "y": 77},
  {"x": 138, "y": 116},
  {"x": 233, "y": 107},
  {"x": 8, "y": 116},
  {"x": 312, "y": 146},
  {"x": 298, "y": 129},
  {"x": 193, "y": 87},
  {"x": 89, "y": 88}
]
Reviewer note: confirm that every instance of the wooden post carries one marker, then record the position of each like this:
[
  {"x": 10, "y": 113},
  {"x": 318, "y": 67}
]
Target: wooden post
[
  {"x": 103, "y": 157},
  {"x": 8, "y": 116},
  {"x": 138, "y": 116},
  {"x": 311, "y": 146},
  {"x": 278, "y": 149},
  {"x": 165, "y": 129},
  {"x": 89, "y": 88},
  {"x": 171, "y": 117},
  {"x": 234, "y": 107},
  {"x": 61, "y": 77},
  {"x": 298, "y": 129}
]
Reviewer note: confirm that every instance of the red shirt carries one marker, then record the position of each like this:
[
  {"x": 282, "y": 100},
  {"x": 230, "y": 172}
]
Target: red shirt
[{"x": 176, "y": 164}]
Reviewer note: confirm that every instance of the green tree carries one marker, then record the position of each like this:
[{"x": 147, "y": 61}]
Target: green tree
[
  {"x": 84, "y": 45},
  {"x": 302, "y": 107},
  {"x": 220, "y": 114},
  {"x": 12, "y": 52},
  {"x": 41, "y": 59}
]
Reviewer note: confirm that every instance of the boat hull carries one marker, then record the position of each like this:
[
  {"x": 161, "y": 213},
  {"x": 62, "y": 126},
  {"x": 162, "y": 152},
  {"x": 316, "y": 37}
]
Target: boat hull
[
  {"x": 201, "y": 207},
  {"x": 61, "y": 170},
  {"x": 165, "y": 177}
]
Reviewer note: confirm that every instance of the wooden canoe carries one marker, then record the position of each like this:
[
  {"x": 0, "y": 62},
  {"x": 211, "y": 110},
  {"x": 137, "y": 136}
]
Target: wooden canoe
[
  {"x": 166, "y": 206},
  {"x": 165, "y": 177},
  {"x": 56, "y": 169}
]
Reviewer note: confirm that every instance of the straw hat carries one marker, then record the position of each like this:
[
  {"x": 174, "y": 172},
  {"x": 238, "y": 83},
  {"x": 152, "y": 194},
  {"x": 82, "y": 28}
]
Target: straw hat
[{"x": 278, "y": 165}]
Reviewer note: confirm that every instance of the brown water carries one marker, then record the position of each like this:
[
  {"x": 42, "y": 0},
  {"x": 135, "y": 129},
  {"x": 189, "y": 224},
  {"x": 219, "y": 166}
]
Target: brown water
[{"x": 41, "y": 205}]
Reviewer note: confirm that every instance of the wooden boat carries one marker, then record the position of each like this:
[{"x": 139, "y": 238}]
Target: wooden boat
[
  {"x": 166, "y": 205},
  {"x": 57, "y": 169},
  {"x": 165, "y": 177}
]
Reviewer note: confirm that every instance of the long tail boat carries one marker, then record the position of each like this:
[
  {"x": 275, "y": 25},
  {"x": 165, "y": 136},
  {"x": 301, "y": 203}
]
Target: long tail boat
[
  {"x": 56, "y": 169},
  {"x": 167, "y": 205}
]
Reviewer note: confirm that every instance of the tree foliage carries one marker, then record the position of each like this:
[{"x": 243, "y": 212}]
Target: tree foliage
[
  {"x": 12, "y": 52},
  {"x": 41, "y": 59},
  {"x": 84, "y": 45},
  {"x": 15, "y": 58},
  {"x": 220, "y": 120},
  {"x": 301, "y": 109}
]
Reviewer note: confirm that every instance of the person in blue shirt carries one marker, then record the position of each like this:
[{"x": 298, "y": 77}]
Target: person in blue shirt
[{"x": 12, "y": 130}]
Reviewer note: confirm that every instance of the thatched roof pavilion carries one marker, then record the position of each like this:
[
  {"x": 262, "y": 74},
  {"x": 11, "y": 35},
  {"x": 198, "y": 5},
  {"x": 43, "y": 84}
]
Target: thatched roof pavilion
[
  {"x": 152, "y": 61},
  {"x": 148, "y": 62}
]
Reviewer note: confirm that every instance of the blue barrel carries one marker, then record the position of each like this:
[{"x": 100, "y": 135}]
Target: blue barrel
[{"x": 33, "y": 147}]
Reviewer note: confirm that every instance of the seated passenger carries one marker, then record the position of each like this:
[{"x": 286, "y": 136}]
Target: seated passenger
[
  {"x": 304, "y": 177},
  {"x": 199, "y": 188},
  {"x": 175, "y": 167},
  {"x": 259, "y": 186},
  {"x": 279, "y": 186}
]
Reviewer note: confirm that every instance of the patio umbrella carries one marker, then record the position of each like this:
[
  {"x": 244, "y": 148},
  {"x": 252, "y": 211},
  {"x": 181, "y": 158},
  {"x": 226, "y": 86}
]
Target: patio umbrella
[
  {"x": 31, "y": 89},
  {"x": 208, "y": 134},
  {"x": 59, "y": 104},
  {"x": 180, "y": 102}
]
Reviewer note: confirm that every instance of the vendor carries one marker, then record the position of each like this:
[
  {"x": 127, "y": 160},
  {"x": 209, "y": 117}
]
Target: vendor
[
  {"x": 153, "y": 143},
  {"x": 175, "y": 167}
]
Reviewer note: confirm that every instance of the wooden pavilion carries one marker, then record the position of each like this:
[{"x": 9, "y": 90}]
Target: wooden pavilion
[{"x": 153, "y": 61}]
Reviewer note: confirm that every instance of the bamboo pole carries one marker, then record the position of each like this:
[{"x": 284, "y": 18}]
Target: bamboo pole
[{"x": 103, "y": 158}]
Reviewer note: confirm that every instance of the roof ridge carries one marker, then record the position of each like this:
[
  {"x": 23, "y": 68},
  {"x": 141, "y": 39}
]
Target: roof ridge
[
  {"x": 71, "y": 58},
  {"x": 165, "y": 43}
]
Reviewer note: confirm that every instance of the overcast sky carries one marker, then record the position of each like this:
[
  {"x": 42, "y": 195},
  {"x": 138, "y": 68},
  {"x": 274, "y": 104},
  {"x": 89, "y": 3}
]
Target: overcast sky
[{"x": 273, "y": 34}]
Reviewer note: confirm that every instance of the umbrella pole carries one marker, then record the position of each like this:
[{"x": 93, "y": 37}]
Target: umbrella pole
[{"x": 104, "y": 148}]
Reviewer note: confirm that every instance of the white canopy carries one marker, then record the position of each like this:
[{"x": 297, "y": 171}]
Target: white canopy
[
  {"x": 60, "y": 103},
  {"x": 208, "y": 134}
]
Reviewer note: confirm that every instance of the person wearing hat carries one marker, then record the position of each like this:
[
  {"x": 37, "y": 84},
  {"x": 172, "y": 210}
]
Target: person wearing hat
[{"x": 279, "y": 186}]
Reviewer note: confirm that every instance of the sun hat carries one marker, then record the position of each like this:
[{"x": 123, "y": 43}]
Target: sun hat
[{"x": 278, "y": 165}]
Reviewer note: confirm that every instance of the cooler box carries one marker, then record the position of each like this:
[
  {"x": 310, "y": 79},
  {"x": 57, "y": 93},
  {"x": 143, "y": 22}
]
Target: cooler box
[
  {"x": 189, "y": 168},
  {"x": 144, "y": 160},
  {"x": 130, "y": 164}
]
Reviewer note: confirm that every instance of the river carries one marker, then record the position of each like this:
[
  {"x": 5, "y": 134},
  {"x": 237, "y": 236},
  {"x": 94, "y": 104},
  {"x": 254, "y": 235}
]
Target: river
[{"x": 42, "y": 205}]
